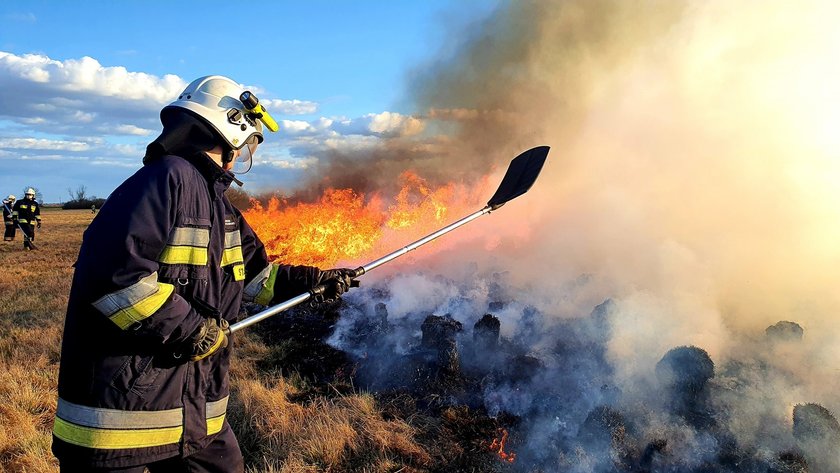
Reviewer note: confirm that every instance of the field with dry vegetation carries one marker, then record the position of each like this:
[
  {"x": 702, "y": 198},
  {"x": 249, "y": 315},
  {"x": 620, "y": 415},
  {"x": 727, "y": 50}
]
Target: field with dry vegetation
[{"x": 284, "y": 421}]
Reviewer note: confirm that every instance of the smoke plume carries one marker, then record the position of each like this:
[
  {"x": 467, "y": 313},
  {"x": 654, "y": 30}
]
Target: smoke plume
[{"x": 693, "y": 180}]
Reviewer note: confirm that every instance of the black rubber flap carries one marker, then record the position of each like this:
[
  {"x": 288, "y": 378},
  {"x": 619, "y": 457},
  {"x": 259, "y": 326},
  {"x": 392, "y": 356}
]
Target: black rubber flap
[{"x": 520, "y": 176}]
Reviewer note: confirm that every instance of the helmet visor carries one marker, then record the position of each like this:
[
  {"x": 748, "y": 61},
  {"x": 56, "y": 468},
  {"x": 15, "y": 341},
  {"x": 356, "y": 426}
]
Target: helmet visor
[{"x": 244, "y": 161}]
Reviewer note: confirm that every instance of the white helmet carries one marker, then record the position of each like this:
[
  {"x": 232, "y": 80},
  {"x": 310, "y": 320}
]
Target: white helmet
[
  {"x": 29, "y": 191},
  {"x": 216, "y": 99},
  {"x": 11, "y": 197}
]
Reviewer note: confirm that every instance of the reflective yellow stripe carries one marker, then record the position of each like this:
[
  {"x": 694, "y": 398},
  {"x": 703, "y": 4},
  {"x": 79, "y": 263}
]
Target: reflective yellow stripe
[
  {"x": 184, "y": 255},
  {"x": 106, "y": 418},
  {"x": 115, "y": 438},
  {"x": 136, "y": 302},
  {"x": 215, "y": 412},
  {"x": 99, "y": 427},
  {"x": 130, "y": 315},
  {"x": 232, "y": 255},
  {"x": 214, "y": 425}
]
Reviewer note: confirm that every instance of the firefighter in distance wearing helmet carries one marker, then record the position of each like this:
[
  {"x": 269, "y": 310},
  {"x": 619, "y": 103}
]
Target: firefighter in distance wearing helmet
[
  {"x": 162, "y": 272},
  {"x": 8, "y": 221},
  {"x": 27, "y": 214}
]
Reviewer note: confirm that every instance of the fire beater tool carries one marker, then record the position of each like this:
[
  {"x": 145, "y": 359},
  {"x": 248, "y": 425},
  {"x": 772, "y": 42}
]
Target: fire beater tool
[
  {"x": 31, "y": 243},
  {"x": 521, "y": 174}
]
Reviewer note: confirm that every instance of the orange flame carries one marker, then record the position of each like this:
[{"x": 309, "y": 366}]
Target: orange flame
[
  {"x": 347, "y": 226},
  {"x": 498, "y": 446}
]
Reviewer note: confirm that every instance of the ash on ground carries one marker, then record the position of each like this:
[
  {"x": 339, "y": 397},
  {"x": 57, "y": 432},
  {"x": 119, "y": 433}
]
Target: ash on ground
[{"x": 550, "y": 385}]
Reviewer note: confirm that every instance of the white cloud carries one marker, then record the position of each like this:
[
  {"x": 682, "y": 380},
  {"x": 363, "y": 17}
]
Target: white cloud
[
  {"x": 79, "y": 105},
  {"x": 89, "y": 76},
  {"x": 386, "y": 124},
  {"x": 129, "y": 150},
  {"x": 296, "y": 126},
  {"x": 43, "y": 144},
  {"x": 289, "y": 107},
  {"x": 51, "y": 157},
  {"x": 83, "y": 117},
  {"x": 132, "y": 130},
  {"x": 301, "y": 163}
]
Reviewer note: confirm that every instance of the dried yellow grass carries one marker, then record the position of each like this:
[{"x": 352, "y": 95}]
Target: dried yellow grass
[
  {"x": 346, "y": 433},
  {"x": 34, "y": 287}
]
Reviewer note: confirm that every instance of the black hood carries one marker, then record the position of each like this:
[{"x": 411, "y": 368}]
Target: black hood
[
  {"x": 183, "y": 135},
  {"x": 187, "y": 136}
]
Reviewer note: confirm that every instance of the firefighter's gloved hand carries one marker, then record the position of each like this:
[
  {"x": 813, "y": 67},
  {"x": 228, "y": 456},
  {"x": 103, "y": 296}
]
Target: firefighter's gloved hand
[
  {"x": 208, "y": 339},
  {"x": 39, "y": 224},
  {"x": 337, "y": 282}
]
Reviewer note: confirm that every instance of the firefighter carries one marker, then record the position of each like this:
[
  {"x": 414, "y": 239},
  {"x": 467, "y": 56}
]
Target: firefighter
[
  {"x": 27, "y": 214},
  {"x": 8, "y": 204},
  {"x": 161, "y": 273}
]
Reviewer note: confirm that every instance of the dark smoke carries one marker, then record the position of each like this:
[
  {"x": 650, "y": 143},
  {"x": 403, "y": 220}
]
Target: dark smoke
[{"x": 491, "y": 101}]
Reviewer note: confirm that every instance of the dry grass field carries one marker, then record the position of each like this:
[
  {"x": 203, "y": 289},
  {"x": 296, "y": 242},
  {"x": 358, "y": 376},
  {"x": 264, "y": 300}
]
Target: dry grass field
[{"x": 341, "y": 432}]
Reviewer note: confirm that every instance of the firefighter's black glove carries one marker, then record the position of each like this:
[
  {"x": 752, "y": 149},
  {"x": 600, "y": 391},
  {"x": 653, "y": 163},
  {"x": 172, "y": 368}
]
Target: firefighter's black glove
[
  {"x": 39, "y": 225},
  {"x": 337, "y": 282},
  {"x": 208, "y": 339}
]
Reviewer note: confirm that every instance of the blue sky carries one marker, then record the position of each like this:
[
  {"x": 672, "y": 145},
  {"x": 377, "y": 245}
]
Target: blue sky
[{"x": 81, "y": 83}]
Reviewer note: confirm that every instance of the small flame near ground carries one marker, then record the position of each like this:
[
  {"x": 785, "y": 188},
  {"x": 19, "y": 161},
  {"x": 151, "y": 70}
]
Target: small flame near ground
[
  {"x": 344, "y": 225},
  {"x": 498, "y": 446}
]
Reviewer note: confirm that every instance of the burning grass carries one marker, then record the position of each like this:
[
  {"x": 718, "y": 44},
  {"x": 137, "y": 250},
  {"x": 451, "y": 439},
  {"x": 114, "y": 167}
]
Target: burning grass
[{"x": 346, "y": 225}]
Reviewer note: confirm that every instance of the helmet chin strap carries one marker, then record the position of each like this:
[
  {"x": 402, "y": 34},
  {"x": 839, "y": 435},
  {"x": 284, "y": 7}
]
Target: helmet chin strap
[{"x": 228, "y": 155}]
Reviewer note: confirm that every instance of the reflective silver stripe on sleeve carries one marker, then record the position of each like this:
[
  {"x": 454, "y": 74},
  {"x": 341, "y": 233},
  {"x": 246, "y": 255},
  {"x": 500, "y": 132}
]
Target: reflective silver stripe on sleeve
[
  {"x": 233, "y": 239},
  {"x": 188, "y": 236},
  {"x": 99, "y": 417},
  {"x": 257, "y": 284},
  {"x": 129, "y": 296},
  {"x": 216, "y": 408}
]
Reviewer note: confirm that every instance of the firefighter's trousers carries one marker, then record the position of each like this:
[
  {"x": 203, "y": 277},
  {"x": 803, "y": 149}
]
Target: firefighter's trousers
[
  {"x": 221, "y": 456},
  {"x": 28, "y": 234}
]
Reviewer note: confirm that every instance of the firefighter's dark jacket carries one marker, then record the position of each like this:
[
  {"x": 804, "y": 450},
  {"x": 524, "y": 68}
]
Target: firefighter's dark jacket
[
  {"x": 166, "y": 250},
  {"x": 7, "y": 212},
  {"x": 27, "y": 211}
]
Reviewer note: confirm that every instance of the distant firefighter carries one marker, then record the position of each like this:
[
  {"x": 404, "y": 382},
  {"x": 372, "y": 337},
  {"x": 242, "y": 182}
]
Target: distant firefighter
[
  {"x": 27, "y": 213},
  {"x": 8, "y": 204}
]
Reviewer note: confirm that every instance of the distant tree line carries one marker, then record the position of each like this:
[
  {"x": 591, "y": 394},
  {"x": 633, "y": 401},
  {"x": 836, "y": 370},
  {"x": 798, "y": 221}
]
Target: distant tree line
[
  {"x": 80, "y": 200},
  {"x": 242, "y": 200}
]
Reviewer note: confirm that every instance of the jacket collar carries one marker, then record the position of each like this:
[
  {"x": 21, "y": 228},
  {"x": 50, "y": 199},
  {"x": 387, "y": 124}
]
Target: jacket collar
[{"x": 218, "y": 180}]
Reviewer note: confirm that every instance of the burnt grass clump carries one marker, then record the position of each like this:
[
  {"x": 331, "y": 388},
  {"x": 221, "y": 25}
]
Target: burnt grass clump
[
  {"x": 426, "y": 387},
  {"x": 479, "y": 400},
  {"x": 785, "y": 331}
]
